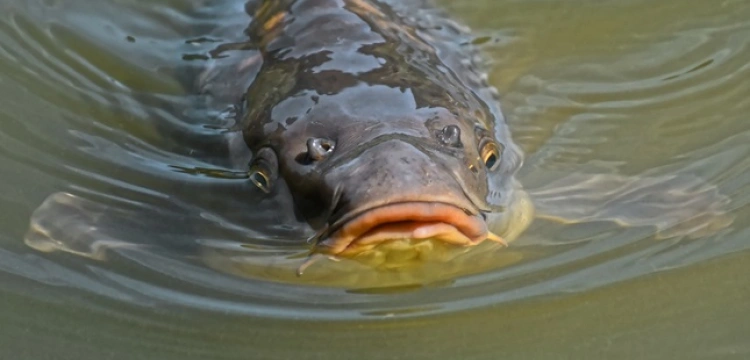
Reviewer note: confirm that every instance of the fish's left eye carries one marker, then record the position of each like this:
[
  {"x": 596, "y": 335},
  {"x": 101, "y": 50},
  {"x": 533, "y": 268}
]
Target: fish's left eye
[{"x": 490, "y": 154}]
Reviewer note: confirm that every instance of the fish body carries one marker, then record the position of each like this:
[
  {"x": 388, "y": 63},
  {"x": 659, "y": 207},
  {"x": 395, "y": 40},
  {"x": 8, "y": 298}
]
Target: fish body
[
  {"x": 377, "y": 118},
  {"x": 370, "y": 124}
]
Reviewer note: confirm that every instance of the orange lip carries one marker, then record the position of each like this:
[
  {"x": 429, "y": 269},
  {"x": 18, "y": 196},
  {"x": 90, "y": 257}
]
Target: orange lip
[{"x": 408, "y": 220}]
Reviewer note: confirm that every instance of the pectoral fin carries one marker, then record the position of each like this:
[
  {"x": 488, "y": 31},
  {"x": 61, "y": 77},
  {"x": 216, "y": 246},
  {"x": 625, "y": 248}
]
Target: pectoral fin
[
  {"x": 677, "y": 205},
  {"x": 72, "y": 224}
]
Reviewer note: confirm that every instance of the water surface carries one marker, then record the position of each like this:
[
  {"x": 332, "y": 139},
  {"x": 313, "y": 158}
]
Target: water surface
[{"x": 628, "y": 89}]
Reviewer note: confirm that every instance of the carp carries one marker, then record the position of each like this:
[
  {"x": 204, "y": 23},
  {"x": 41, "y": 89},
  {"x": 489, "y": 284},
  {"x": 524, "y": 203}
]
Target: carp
[
  {"x": 379, "y": 130},
  {"x": 372, "y": 123}
]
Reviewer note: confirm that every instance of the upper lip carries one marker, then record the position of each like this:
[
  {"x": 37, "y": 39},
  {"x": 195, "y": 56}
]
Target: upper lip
[
  {"x": 466, "y": 206},
  {"x": 467, "y": 225}
]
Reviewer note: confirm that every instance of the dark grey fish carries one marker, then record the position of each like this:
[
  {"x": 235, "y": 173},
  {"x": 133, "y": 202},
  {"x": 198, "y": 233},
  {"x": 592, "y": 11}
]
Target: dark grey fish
[
  {"x": 372, "y": 121},
  {"x": 380, "y": 130}
]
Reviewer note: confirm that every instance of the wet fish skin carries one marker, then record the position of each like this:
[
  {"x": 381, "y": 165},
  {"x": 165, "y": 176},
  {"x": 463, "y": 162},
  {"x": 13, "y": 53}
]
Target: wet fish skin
[{"x": 395, "y": 87}]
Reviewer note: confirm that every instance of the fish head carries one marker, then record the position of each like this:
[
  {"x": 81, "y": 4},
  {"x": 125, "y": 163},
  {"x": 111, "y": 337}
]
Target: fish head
[{"x": 364, "y": 172}]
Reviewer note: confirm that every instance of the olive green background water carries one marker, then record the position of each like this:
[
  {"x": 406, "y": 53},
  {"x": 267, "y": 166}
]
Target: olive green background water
[{"x": 630, "y": 87}]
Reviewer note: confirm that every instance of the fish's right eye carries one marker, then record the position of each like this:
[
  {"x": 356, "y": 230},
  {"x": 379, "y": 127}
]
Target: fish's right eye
[
  {"x": 261, "y": 179},
  {"x": 264, "y": 169}
]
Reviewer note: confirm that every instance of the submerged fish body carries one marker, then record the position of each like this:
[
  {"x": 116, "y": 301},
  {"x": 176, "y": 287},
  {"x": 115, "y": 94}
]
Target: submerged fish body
[{"x": 380, "y": 128}]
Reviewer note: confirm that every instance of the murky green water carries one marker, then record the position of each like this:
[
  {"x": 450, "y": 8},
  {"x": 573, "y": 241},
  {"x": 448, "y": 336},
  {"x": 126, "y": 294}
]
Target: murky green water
[{"x": 627, "y": 88}]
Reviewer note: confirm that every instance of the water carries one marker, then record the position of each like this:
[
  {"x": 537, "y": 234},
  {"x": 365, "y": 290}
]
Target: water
[{"x": 631, "y": 88}]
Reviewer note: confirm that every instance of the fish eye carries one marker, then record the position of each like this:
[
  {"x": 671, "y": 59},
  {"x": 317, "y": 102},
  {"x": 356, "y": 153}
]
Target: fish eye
[
  {"x": 261, "y": 179},
  {"x": 264, "y": 169},
  {"x": 490, "y": 154}
]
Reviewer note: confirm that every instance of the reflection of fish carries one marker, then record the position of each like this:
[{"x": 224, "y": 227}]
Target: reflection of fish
[{"x": 379, "y": 131}]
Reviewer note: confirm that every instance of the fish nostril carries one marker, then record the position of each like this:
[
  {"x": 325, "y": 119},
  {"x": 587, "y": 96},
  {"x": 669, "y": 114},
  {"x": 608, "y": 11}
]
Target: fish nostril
[
  {"x": 450, "y": 136},
  {"x": 319, "y": 148}
]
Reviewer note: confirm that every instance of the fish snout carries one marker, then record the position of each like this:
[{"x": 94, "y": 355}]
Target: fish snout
[{"x": 396, "y": 190}]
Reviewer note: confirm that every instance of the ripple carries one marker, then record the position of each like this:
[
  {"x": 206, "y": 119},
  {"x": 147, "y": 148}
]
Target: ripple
[{"x": 112, "y": 136}]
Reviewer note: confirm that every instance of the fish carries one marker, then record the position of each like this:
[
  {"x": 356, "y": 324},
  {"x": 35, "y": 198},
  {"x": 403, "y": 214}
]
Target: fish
[
  {"x": 380, "y": 131},
  {"x": 373, "y": 124}
]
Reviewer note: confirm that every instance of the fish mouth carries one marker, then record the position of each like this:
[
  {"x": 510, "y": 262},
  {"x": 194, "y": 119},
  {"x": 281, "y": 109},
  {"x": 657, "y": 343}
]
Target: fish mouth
[{"x": 413, "y": 220}]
